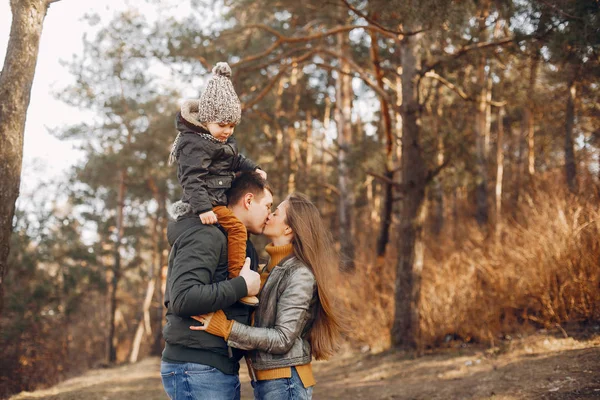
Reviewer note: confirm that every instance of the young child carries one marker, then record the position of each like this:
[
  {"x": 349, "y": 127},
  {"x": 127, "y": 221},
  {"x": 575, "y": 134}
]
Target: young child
[{"x": 207, "y": 158}]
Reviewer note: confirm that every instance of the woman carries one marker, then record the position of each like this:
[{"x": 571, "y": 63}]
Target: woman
[{"x": 296, "y": 318}]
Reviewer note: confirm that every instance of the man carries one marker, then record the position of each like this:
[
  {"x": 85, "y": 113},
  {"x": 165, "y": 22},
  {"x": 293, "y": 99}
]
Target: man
[{"x": 198, "y": 365}]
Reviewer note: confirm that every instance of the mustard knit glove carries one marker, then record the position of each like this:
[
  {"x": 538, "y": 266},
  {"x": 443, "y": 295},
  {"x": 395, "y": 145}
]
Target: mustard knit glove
[{"x": 219, "y": 325}]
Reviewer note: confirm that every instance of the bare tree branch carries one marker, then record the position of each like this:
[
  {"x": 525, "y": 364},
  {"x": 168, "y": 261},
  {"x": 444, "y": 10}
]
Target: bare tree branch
[
  {"x": 308, "y": 38},
  {"x": 199, "y": 58},
  {"x": 283, "y": 69},
  {"x": 458, "y": 90},
  {"x": 432, "y": 173},
  {"x": 465, "y": 50},
  {"x": 378, "y": 25},
  {"x": 554, "y": 7},
  {"x": 259, "y": 55},
  {"x": 361, "y": 72},
  {"x": 281, "y": 39},
  {"x": 330, "y": 187},
  {"x": 387, "y": 180}
]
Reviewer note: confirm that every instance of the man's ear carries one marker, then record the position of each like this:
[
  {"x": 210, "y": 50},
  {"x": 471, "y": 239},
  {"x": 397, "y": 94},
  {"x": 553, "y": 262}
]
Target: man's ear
[{"x": 248, "y": 199}]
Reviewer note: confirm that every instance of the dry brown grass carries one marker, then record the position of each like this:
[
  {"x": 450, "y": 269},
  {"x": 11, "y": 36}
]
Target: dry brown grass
[
  {"x": 537, "y": 367},
  {"x": 543, "y": 271}
]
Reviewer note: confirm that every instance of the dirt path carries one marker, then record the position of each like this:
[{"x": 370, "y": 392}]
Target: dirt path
[{"x": 538, "y": 367}]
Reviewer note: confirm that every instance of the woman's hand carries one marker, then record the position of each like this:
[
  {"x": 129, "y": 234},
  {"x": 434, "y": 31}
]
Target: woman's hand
[
  {"x": 214, "y": 323},
  {"x": 204, "y": 320}
]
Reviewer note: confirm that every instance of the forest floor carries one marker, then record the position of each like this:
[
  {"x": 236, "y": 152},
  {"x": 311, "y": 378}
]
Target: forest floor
[{"x": 541, "y": 366}]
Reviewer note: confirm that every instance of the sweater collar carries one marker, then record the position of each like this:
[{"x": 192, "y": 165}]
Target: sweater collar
[{"x": 277, "y": 254}]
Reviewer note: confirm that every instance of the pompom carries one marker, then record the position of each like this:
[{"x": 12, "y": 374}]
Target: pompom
[{"x": 223, "y": 69}]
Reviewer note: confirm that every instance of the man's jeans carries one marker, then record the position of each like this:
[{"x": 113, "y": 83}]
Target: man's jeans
[
  {"x": 282, "y": 389},
  {"x": 191, "y": 381}
]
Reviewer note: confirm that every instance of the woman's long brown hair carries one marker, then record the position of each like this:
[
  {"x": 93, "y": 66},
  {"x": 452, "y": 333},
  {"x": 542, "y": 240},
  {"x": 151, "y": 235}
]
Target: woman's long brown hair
[{"x": 314, "y": 246}]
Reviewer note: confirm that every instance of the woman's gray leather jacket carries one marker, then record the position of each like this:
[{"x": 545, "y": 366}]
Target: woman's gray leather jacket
[{"x": 283, "y": 319}]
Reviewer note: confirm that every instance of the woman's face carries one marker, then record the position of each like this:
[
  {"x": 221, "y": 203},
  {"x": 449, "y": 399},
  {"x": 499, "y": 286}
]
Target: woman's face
[{"x": 276, "y": 226}]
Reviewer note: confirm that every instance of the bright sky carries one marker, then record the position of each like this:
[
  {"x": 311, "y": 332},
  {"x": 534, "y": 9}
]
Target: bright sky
[{"x": 44, "y": 156}]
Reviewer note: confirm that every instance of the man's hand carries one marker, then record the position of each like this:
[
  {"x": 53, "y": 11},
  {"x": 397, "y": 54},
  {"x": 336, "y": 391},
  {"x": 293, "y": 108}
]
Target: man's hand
[
  {"x": 262, "y": 173},
  {"x": 208, "y": 218},
  {"x": 252, "y": 278}
]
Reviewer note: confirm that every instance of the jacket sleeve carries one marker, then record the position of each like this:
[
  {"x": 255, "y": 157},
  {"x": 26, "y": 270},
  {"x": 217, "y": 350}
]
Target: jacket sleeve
[
  {"x": 194, "y": 160},
  {"x": 292, "y": 312},
  {"x": 190, "y": 284},
  {"x": 245, "y": 164},
  {"x": 241, "y": 163}
]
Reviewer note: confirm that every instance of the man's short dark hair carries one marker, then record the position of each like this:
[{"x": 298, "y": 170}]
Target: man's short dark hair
[{"x": 247, "y": 182}]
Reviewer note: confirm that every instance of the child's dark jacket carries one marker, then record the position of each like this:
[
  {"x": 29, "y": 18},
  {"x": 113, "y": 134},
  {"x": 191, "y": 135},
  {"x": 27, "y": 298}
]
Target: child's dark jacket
[{"x": 206, "y": 167}]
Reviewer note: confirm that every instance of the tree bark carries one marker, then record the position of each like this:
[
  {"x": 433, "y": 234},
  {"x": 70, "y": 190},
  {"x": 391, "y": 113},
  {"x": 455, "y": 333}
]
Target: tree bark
[
  {"x": 280, "y": 140},
  {"x": 144, "y": 324},
  {"x": 116, "y": 271},
  {"x": 309, "y": 150},
  {"x": 437, "y": 192},
  {"x": 406, "y": 322},
  {"x": 570, "y": 164},
  {"x": 499, "y": 169},
  {"x": 322, "y": 199},
  {"x": 343, "y": 113},
  {"x": 388, "y": 192},
  {"x": 16, "y": 80},
  {"x": 528, "y": 115},
  {"x": 518, "y": 167},
  {"x": 481, "y": 123}
]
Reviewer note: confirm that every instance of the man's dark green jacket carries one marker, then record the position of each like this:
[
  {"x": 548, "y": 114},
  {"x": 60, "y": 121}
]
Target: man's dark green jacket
[{"x": 197, "y": 284}]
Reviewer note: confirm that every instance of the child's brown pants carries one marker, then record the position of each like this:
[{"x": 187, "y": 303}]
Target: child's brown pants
[{"x": 236, "y": 239}]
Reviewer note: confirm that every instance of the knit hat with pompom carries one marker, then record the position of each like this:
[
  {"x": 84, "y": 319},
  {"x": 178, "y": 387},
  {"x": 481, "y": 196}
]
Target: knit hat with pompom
[{"x": 219, "y": 102}]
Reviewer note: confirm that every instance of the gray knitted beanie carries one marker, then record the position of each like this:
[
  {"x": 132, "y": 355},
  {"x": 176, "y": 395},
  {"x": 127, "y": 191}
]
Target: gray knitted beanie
[{"x": 219, "y": 102}]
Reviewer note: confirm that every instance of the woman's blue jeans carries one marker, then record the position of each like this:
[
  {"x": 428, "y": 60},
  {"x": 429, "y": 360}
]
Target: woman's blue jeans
[
  {"x": 191, "y": 381},
  {"x": 282, "y": 389}
]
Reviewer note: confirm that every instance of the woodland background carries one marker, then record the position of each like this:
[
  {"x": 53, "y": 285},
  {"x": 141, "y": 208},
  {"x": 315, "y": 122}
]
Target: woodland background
[{"x": 453, "y": 147}]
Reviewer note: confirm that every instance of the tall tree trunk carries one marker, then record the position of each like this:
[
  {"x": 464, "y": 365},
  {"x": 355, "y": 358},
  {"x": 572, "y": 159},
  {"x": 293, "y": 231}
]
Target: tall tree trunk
[
  {"x": 116, "y": 271},
  {"x": 570, "y": 164},
  {"x": 293, "y": 147},
  {"x": 499, "y": 169},
  {"x": 309, "y": 151},
  {"x": 529, "y": 109},
  {"x": 16, "y": 80},
  {"x": 481, "y": 124},
  {"x": 528, "y": 115},
  {"x": 280, "y": 144},
  {"x": 144, "y": 323},
  {"x": 388, "y": 192},
  {"x": 292, "y": 157},
  {"x": 455, "y": 232},
  {"x": 406, "y": 323},
  {"x": 323, "y": 152},
  {"x": 518, "y": 167},
  {"x": 344, "y": 130},
  {"x": 437, "y": 192}
]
